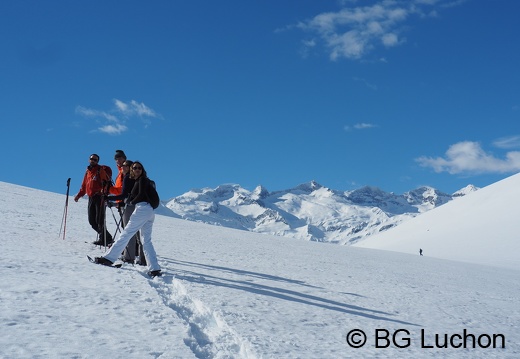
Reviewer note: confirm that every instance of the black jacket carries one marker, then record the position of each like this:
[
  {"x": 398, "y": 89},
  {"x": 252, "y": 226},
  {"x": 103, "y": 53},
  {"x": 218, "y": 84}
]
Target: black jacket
[
  {"x": 128, "y": 185},
  {"x": 140, "y": 191}
]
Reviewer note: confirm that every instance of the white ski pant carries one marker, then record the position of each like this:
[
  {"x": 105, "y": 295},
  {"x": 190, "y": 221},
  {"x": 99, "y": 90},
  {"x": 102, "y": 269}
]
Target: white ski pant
[{"x": 142, "y": 219}]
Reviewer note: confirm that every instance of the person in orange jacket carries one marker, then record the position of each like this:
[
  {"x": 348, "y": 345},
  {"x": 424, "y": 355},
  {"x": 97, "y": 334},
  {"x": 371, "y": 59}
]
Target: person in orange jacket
[
  {"x": 95, "y": 185},
  {"x": 117, "y": 188}
]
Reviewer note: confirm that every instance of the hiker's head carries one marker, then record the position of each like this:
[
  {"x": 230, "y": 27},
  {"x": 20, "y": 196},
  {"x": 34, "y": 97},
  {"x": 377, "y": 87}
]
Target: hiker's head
[
  {"x": 126, "y": 166},
  {"x": 138, "y": 169},
  {"x": 93, "y": 159},
  {"x": 119, "y": 157}
]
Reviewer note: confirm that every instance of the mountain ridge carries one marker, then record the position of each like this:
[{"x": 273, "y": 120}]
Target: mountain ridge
[{"x": 308, "y": 211}]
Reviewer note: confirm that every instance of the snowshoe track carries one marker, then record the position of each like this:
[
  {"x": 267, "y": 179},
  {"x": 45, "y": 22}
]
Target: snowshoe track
[{"x": 208, "y": 335}]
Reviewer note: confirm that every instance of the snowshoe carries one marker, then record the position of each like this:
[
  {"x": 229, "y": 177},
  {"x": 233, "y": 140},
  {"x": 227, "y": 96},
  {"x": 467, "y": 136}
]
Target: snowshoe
[{"x": 155, "y": 273}]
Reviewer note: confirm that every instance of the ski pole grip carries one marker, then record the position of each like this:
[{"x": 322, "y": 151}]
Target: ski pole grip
[{"x": 68, "y": 182}]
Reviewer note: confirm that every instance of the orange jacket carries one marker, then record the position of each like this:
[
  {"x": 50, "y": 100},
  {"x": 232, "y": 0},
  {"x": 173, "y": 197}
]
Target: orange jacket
[
  {"x": 93, "y": 181},
  {"x": 117, "y": 188}
]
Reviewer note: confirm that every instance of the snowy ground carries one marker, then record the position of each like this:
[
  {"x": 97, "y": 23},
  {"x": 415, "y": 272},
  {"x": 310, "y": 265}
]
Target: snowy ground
[
  {"x": 482, "y": 227},
  {"x": 236, "y": 294}
]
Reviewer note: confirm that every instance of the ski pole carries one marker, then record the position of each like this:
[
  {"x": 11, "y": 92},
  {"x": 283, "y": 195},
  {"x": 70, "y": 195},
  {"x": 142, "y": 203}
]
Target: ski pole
[
  {"x": 104, "y": 222},
  {"x": 104, "y": 206},
  {"x": 64, "y": 218},
  {"x": 121, "y": 223},
  {"x": 115, "y": 220},
  {"x": 121, "y": 214}
]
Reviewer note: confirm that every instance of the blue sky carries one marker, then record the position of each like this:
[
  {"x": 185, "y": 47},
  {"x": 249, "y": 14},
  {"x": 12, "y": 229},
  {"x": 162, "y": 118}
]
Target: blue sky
[{"x": 392, "y": 94}]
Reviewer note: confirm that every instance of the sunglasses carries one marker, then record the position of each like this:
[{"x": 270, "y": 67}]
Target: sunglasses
[
  {"x": 94, "y": 159},
  {"x": 137, "y": 168}
]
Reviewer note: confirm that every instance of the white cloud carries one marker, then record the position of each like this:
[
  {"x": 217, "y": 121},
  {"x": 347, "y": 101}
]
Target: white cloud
[
  {"x": 469, "y": 158},
  {"x": 307, "y": 46},
  {"x": 114, "y": 121},
  {"x": 354, "y": 31},
  {"x": 453, "y": 3},
  {"x": 116, "y": 129},
  {"x": 390, "y": 40},
  {"x": 508, "y": 142},
  {"x": 121, "y": 106},
  {"x": 134, "y": 108},
  {"x": 362, "y": 126},
  {"x": 87, "y": 112},
  {"x": 359, "y": 126}
]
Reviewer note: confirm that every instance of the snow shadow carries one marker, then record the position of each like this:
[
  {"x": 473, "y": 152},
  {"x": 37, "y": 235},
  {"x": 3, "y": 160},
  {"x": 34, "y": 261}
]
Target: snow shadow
[
  {"x": 241, "y": 272},
  {"x": 248, "y": 285}
]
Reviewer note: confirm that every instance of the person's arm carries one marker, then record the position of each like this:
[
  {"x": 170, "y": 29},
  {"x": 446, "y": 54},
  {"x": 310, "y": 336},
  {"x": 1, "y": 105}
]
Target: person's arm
[
  {"x": 82, "y": 189},
  {"x": 127, "y": 187}
]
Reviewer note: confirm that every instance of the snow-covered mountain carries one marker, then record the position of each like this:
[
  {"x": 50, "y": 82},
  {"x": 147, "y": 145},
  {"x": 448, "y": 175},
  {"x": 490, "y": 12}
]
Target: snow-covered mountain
[
  {"x": 309, "y": 211},
  {"x": 450, "y": 231},
  {"x": 466, "y": 190}
]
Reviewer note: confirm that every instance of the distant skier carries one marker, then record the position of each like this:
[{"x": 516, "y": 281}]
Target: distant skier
[{"x": 420, "y": 251}]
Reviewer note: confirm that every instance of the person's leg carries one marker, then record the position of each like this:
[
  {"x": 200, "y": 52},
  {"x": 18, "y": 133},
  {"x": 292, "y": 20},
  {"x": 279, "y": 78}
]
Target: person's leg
[
  {"x": 97, "y": 213},
  {"x": 142, "y": 257},
  {"x": 146, "y": 238},
  {"x": 137, "y": 220},
  {"x": 93, "y": 206},
  {"x": 130, "y": 249}
]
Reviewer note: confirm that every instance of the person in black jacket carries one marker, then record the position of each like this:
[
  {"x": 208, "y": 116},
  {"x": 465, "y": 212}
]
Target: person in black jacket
[
  {"x": 127, "y": 185},
  {"x": 141, "y": 219}
]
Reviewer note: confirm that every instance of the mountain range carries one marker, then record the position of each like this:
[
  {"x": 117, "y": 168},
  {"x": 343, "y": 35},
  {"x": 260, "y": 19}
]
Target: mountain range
[{"x": 308, "y": 211}]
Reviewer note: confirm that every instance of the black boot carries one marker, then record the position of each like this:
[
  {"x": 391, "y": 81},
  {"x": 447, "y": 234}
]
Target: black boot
[
  {"x": 141, "y": 261},
  {"x": 101, "y": 240},
  {"x": 103, "y": 261},
  {"x": 155, "y": 273}
]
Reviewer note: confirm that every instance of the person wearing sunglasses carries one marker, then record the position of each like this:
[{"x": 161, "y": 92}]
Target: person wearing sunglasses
[
  {"x": 95, "y": 185},
  {"x": 131, "y": 249},
  {"x": 141, "y": 219}
]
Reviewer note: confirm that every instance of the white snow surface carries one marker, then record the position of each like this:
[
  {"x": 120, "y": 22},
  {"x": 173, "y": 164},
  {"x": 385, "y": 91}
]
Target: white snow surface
[
  {"x": 234, "y": 294},
  {"x": 482, "y": 227}
]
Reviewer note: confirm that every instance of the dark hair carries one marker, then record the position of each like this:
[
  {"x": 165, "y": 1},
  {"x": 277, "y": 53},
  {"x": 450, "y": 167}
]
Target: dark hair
[
  {"x": 119, "y": 153},
  {"x": 95, "y": 154},
  {"x": 143, "y": 172}
]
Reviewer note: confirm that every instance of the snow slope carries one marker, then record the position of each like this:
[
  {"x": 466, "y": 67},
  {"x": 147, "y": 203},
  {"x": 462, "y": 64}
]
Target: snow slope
[
  {"x": 482, "y": 227},
  {"x": 235, "y": 294}
]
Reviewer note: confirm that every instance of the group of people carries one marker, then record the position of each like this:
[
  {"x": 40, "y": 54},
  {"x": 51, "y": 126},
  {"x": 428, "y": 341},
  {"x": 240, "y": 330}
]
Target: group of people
[{"x": 129, "y": 193}]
